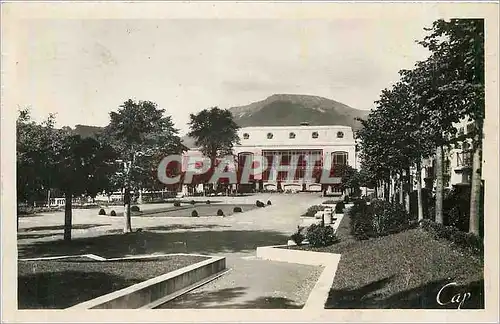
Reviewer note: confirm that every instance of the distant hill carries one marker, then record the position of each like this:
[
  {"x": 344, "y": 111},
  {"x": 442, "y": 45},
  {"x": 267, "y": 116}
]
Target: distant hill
[
  {"x": 279, "y": 110},
  {"x": 291, "y": 109}
]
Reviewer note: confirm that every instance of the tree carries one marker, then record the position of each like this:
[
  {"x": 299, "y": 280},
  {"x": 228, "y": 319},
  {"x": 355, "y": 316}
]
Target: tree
[
  {"x": 54, "y": 158},
  {"x": 34, "y": 155},
  {"x": 214, "y": 132},
  {"x": 142, "y": 136},
  {"x": 83, "y": 167},
  {"x": 457, "y": 48}
]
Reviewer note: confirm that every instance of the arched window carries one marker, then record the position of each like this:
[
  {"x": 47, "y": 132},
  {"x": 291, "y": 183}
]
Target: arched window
[
  {"x": 340, "y": 134},
  {"x": 269, "y": 135},
  {"x": 246, "y": 136},
  {"x": 291, "y": 135},
  {"x": 315, "y": 134}
]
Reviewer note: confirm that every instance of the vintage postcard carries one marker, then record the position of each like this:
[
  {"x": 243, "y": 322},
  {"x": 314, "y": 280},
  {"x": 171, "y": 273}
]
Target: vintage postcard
[{"x": 249, "y": 162}]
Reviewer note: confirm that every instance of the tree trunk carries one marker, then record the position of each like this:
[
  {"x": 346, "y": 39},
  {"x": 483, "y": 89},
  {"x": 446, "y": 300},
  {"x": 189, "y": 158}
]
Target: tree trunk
[
  {"x": 376, "y": 190},
  {"x": 393, "y": 188},
  {"x": 439, "y": 185},
  {"x": 419, "y": 192},
  {"x": 387, "y": 189},
  {"x": 409, "y": 188},
  {"x": 401, "y": 185},
  {"x": 67, "y": 216},
  {"x": 475, "y": 193},
  {"x": 139, "y": 200},
  {"x": 127, "y": 226}
]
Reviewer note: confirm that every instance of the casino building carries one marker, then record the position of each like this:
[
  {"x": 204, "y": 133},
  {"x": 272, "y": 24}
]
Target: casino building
[{"x": 325, "y": 144}]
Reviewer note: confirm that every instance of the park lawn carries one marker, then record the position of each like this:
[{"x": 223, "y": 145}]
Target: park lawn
[
  {"x": 58, "y": 284},
  {"x": 402, "y": 271}
]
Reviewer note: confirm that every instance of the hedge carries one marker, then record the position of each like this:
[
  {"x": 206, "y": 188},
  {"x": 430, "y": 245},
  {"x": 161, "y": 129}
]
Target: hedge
[{"x": 467, "y": 241}]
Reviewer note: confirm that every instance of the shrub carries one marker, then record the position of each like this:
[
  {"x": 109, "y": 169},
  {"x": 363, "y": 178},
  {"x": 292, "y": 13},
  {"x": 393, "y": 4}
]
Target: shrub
[
  {"x": 388, "y": 218},
  {"x": 269, "y": 203},
  {"x": 112, "y": 213},
  {"x": 192, "y": 202},
  {"x": 102, "y": 212},
  {"x": 467, "y": 241},
  {"x": 298, "y": 237},
  {"x": 208, "y": 202},
  {"x": 314, "y": 209},
  {"x": 237, "y": 210},
  {"x": 361, "y": 226},
  {"x": 320, "y": 235},
  {"x": 220, "y": 212},
  {"x": 194, "y": 213},
  {"x": 135, "y": 208},
  {"x": 177, "y": 204},
  {"x": 259, "y": 203},
  {"x": 339, "y": 208}
]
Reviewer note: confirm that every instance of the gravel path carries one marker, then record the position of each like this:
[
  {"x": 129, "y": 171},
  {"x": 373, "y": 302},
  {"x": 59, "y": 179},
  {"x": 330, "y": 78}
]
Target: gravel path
[
  {"x": 254, "y": 283},
  {"x": 60, "y": 284}
]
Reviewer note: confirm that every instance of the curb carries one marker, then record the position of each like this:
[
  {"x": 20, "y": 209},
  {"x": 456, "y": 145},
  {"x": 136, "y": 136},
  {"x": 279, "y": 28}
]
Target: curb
[{"x": 319, "y": 293}]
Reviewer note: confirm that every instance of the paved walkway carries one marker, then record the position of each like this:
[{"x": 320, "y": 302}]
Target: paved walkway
[{"x": 251, "y": 283}]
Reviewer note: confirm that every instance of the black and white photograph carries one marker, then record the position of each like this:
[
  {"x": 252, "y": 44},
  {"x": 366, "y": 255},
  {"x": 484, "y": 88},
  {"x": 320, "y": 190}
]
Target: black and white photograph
[{"x": 307, "y": 160}]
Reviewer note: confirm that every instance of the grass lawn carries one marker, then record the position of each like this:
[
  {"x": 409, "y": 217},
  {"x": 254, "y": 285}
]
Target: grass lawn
[
  {"x": 402, "y": 271},
  {"x": 57, "y": 284}
]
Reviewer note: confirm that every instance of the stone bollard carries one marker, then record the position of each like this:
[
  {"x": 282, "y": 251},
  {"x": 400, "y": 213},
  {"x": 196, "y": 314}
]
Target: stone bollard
[{"x": 327, "y": 217}]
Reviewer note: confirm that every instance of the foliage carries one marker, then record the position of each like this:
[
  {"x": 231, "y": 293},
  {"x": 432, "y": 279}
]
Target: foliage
[
  {"x": 112, "y": 213},
  {"x": 194, "y": 213},
  {"x": 298, "y": 237},
  {"x": 389, "y": 218},
  {"x": 259, "y": 203},
  {"x": 237, "y": 209},
  {"x": 214, "y": 132},
  {"x": 360, "y": 220},
  {"x": 55, "y": 158},
  {"x": 269, "y": 203},
  {"x": 220, "y": 212},
  {"x": 143, "y": 136},
  {"x": 311, "y": 211},
  {"x": 177, "y": 203},
  {"x": 102, "y": 212},
  {"x": 318, "y": 235},
  {"x": 380, "y": 218},
  {"x": 427, "y": 204},
  {"x": 36, "y": 158},
  {"x": 468, "y": 241},
  {"x": 339, "y": 207}
]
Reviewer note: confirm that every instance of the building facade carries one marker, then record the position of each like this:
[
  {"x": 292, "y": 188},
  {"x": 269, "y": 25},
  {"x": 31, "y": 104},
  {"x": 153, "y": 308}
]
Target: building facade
[
  {"x": 457, "y": 159},
  {"x": 334, "y": 145}
]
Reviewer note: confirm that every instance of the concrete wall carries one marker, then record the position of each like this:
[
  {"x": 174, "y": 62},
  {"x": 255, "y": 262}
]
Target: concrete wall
[{"x": 150, "y": 291}]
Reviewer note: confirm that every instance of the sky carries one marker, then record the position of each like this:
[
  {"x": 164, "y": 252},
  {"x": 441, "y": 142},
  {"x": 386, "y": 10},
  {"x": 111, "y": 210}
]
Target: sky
[{"x": 83, "y": 69}]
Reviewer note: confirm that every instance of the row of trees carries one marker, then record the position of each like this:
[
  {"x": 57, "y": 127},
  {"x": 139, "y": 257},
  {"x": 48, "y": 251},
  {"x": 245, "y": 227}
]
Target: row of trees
[
  {"x": 125, "y": 155},
  {"x": 414, "y": 119}
]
